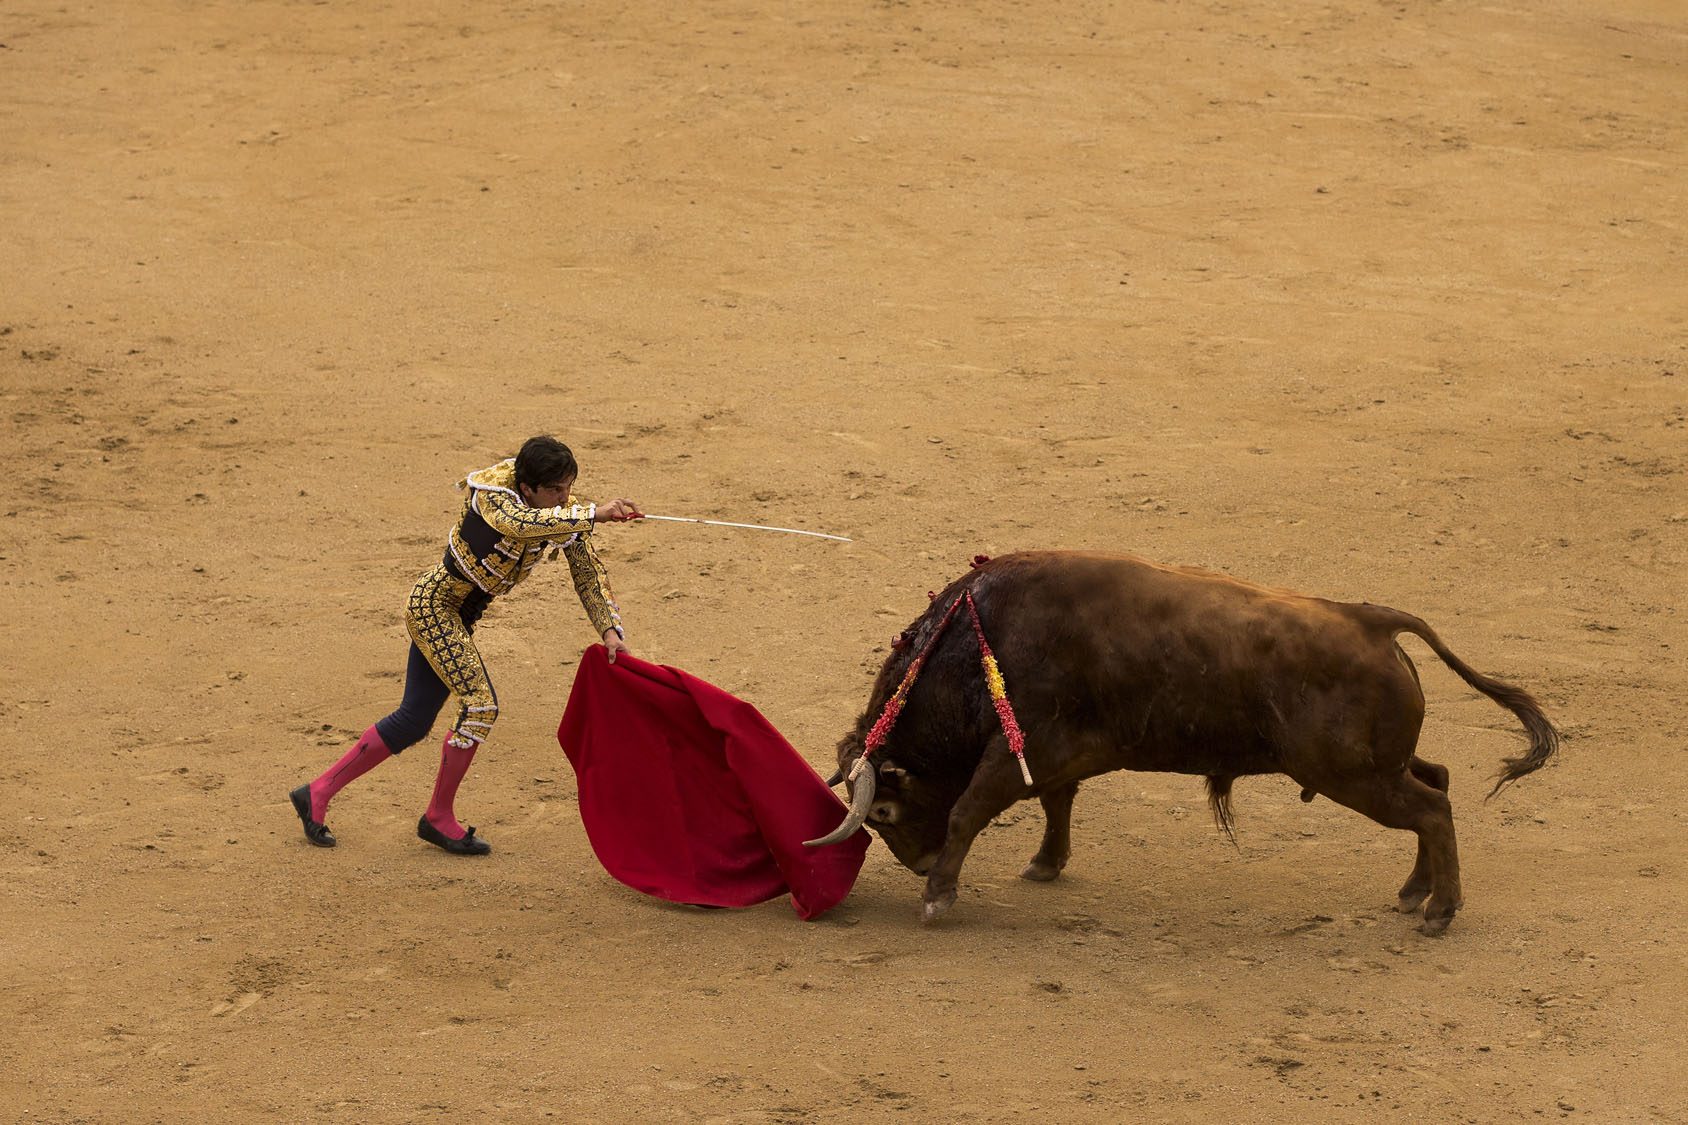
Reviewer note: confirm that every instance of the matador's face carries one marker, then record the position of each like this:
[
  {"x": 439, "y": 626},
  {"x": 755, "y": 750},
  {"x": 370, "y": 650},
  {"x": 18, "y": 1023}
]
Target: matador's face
[{"x": 548, "y": 496}]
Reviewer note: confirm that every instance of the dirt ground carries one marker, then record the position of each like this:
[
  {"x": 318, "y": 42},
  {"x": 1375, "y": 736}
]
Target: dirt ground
[{"x": 1378, "y": 301}]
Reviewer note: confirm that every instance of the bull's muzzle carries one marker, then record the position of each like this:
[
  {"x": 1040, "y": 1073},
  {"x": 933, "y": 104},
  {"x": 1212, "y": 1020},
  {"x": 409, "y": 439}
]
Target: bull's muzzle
[{"x": 861, "y": 801}]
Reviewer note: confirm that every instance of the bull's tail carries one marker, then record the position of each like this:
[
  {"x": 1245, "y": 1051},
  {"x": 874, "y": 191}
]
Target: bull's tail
[{"x": 1544, "y": 739}]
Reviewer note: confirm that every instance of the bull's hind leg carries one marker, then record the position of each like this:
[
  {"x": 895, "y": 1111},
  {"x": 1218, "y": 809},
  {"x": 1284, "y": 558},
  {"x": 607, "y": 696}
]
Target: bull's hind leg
[
  {"x": 996, "y": 784},
  {"x": 1057, "y": 844},
  {"x": 1417, "y": 887},
  {"x": 1404, "y": 801}
]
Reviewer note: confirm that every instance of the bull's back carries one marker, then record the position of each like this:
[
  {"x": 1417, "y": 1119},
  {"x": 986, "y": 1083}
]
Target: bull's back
[{"x": 1174, "y": 668}]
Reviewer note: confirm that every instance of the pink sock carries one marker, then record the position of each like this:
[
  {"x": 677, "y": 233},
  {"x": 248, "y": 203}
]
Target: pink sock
[
  {"x": 369, "y": 752},
  {"x": 454, "y": 763}
]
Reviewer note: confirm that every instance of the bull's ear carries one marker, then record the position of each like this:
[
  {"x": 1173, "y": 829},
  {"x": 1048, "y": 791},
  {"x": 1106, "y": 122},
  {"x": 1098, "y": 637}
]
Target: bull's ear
[{"x": 891, "y": 774}]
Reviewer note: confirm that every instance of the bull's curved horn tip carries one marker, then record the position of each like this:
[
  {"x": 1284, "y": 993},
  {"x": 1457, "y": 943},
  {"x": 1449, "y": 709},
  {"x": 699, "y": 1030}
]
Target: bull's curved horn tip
[{"x": 860, "y": 804}]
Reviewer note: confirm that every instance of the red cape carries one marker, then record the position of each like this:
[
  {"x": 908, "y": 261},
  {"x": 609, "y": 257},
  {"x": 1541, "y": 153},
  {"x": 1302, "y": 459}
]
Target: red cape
[{"x": 689, "y": 794}]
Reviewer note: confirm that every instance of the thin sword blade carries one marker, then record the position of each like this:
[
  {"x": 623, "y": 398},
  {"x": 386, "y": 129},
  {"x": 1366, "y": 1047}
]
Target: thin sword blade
[{"x": 752, "y": 526}]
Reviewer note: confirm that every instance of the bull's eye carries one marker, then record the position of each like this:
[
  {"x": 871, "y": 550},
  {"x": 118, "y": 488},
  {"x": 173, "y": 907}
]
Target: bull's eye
[{"x": 883, "y": 812}]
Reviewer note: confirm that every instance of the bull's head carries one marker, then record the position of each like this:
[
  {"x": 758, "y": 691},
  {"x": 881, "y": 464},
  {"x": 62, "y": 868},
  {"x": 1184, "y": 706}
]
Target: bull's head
[{"x": 907, "y": 814}]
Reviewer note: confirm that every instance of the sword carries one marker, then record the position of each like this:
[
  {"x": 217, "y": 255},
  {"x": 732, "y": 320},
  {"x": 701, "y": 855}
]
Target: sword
[{"x": 754, "y": 526}]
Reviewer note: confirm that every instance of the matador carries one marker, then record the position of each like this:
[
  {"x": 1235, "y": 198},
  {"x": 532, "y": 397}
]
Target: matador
[{"x": 515, "y": 514}]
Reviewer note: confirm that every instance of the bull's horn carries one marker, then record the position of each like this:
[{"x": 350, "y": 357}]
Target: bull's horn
[
  {"x": 837, "y": 776},
  {"x": 863, "y": 801}
]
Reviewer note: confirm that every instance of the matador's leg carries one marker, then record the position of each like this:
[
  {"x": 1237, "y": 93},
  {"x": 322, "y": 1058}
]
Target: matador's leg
[
  {"x": 424, "y": 695},
  {"x": 436, "y": 623}
]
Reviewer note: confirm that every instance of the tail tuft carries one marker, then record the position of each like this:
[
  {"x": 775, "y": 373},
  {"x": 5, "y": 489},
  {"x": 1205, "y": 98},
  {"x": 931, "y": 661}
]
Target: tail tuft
[{"x": 1544, "y": 739}]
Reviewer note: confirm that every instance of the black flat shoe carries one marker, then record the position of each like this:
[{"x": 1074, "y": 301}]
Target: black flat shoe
[
  {"x": 315, "y": 832},
  {"x": 468, "y": 845}
]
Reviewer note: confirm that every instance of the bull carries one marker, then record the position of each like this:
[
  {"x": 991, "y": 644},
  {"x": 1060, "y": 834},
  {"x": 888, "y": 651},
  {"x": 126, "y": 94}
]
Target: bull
[{"x": 1115, "y": 663}]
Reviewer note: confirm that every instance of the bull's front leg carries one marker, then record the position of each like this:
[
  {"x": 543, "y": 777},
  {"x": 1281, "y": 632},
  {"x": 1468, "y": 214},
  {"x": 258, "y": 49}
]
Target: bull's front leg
[
  {"x": 996, "y": 784},
  {"x": 1057, "y": 844}
]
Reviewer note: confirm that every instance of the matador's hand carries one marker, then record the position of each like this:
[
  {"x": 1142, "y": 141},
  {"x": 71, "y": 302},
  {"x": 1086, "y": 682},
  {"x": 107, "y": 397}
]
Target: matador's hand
[
  {"x": 614, "y": 645},
  {"x": 619, "y": 509}
]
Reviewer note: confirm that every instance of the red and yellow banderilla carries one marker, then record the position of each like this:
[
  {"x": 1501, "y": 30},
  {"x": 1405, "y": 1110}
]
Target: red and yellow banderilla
[{"x": 993, "y": 681}]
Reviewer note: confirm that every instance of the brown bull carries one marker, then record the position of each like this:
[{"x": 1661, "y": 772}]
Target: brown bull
[{"x": 1115, "y": 663}]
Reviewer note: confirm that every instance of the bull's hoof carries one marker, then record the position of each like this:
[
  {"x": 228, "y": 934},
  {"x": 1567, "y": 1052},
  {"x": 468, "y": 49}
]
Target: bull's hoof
[
  {"x": 1040, "y": 871},
  {"x": 936, "y": 908},
  {"x": 1410, "y": 901},
  {"x": 1436, "y": 919}
]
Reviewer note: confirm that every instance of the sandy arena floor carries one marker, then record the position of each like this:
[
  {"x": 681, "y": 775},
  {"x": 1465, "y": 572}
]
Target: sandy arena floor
[{"x": 1378, "y": 301}]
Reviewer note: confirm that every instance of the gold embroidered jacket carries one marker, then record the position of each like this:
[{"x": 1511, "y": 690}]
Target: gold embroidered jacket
[{"x": 498, "y": 539}]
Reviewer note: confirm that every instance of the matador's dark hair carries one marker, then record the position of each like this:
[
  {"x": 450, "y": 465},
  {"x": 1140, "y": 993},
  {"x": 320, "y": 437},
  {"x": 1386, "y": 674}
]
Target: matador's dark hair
[{"x": 544, "y": 461}]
